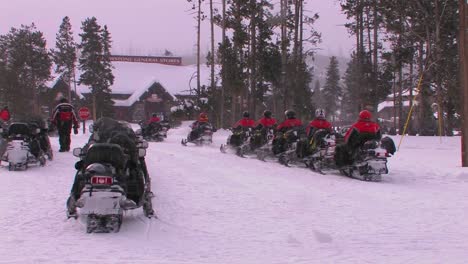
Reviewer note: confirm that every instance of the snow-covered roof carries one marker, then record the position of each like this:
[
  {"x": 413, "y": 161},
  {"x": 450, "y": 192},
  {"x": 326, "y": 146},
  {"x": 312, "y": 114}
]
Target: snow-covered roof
[
  {"x": 386, "y": 104},
  {"x": 136, "y": 78}
]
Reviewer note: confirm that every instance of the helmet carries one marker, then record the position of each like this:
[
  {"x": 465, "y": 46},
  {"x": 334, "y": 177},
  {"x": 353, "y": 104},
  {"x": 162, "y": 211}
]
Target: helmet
[
  {"x": 364, "y": 114},
  {"x": 320, "y": 113},
  {"x": 267, "y": 113},
  {"x": 246, "y": 114},
  {"x": 290, "y": 114},
  {"x": 63, "y": 100},
  {"x": 154, "y": 115},
  {"x": 98, "y": 169},
  {"x": 203, "y": 116}
]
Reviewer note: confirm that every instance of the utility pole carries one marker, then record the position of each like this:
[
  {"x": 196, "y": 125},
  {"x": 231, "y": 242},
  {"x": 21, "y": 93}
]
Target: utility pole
[{"x": 463, "y": 40}]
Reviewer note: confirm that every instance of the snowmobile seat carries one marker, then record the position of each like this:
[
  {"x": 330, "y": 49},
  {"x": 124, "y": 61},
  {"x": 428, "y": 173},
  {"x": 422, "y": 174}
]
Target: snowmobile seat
[{"x": 105, "y": 153}]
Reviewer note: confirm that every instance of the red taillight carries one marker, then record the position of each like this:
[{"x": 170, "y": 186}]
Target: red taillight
[{"x": 101, "y": 180}]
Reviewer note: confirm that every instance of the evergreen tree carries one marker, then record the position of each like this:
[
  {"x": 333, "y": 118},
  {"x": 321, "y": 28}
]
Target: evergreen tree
[
  {"x": 95, "y": 66},
  {"x": 332, "y": 89},
  {"x": 26, "y": 65},
  {"x": 65, "y": 54},
  {"x": 107, "y": 76}
]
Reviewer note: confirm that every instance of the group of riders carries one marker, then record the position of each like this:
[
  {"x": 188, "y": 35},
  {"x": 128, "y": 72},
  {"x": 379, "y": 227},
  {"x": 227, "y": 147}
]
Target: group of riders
[{"x": 255, "y": 134}]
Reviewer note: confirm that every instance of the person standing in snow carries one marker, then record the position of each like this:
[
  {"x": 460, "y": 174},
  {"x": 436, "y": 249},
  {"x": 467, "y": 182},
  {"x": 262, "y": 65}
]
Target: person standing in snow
[{"x": 64, "y": 118}]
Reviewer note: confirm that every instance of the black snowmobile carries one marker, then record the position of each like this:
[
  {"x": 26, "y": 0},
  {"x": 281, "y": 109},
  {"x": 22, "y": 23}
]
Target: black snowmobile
[
  {"x": 238, "y": 142},
  {"x": 155, "y": 131},
  {"x": 365, "y": 156},
  {"x": 111, "y": 177},
  {"x": 202, "y": 135},
  {"x": 286, "y": 148}
]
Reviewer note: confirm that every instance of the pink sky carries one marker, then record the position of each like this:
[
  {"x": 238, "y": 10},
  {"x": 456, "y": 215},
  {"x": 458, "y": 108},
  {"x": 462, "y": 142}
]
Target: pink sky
[{"x": 150, "y": 26}]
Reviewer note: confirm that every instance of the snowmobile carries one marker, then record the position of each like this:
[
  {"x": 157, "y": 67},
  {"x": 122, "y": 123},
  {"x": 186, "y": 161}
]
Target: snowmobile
[
  {"x": 286, "y": 146},
  {"x": 321, "y": 151},
  {"x": 115, "y": 146},
  {"x": 205, "y": 136},
  {"x": 153, "y": 132},
  {"x": 23, "y": 147},
  {"x": 109, "y": 185},
  {"x": 238, "y": 142},
  {"x": 369, "y": 160}
]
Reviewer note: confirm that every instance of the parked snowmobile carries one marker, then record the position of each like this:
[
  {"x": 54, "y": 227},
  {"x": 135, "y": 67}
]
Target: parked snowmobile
[
  {"x": 153, "y": 131},
  {"x": 205, "y": 136},
  {"x": 369, "y": 161},
  {"x": 23, "y": 147},
  {"x": 111, "y": 177},
  {"x": 238, "y": 142}
]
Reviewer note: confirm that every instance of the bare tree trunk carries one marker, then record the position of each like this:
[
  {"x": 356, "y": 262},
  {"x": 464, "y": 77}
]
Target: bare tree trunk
[
  {"x": 213, "y": 85},
  {"x": 94, "y": 107},
  {"x": 223, "y": 63},
  {"x": 198, "y": 46},
  {"x": 253, "y": 59},
  {"x": 284, "y": 4},
  {"x": 463, "y": 40}
]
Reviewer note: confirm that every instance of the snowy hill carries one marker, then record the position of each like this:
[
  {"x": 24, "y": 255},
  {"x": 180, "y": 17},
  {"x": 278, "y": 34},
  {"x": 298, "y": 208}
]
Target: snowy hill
[{"x": 219, "y": 208}]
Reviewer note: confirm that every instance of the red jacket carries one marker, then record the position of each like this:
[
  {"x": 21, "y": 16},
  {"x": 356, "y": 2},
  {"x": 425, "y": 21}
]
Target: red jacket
[
  {"x": 267, "y": 122},
  {"x": 290, "y": 123},
  {"x": 65, "y": 113},
  {"x": 154, "y": 119},
  {"x": 245, "y": 122},
  {"x": 318, "y": 123},
  {"x": 5, "y": 115},
  {"x": 363, "y": 126}
]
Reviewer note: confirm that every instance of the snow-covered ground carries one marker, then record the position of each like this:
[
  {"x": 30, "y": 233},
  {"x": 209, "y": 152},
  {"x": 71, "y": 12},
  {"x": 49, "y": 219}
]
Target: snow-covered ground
[{"x": 219, "y": 208}]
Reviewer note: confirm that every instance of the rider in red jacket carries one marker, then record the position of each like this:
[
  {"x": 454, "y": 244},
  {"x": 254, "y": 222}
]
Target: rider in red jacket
[
  {"x": 318, "y": 123},
  {"x": 290, "y": 122},
  {"x": 267, "y": 121},
  {"x": 363, "y": 125},
  {"x": 245, "y": 122},
  {"x": 154, "y": 119}
]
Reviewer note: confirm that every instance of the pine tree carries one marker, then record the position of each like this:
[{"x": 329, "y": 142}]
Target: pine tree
[
  {"x": 95, "y": 66},
  {"x": 332, "y": 89},
  {"x": 26, "y": 64},
  {"x": 108, "y": 77},
  {"x": 65, "y": 54}
]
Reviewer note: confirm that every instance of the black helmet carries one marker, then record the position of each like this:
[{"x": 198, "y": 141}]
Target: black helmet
[
  {"x": 63, "y": 100},
  {"x": 267, "y": 113},
  {"x": 154, "y": 115},
  {"x": 246, "y": 114},
  {"x": 290, "y": 114}
]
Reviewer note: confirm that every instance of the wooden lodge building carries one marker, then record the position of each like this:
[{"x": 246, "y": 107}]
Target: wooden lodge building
[{"x": 143, "y": 85}]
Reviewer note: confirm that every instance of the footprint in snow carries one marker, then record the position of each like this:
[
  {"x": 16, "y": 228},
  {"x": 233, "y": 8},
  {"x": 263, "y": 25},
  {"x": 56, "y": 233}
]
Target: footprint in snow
[{"x": 322, "y": 237}]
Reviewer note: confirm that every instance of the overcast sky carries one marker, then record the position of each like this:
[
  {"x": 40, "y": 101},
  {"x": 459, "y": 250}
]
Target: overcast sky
[{"x": 150, "y": 26}]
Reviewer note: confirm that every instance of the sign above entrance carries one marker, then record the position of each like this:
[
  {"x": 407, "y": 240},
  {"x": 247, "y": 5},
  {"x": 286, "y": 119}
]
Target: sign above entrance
[{"x": 148, "y": 59}]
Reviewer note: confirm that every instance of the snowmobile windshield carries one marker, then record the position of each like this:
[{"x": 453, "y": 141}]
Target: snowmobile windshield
[
  {"x": 105, "y": 153},
  {"x": 19, "y": 129}
]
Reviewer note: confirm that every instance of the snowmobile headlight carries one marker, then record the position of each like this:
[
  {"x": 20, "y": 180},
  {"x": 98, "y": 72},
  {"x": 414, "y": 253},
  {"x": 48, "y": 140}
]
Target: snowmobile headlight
[
  {"x": 38, "y": 130},
  {"x": 77, "y": 152}
]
